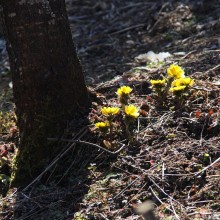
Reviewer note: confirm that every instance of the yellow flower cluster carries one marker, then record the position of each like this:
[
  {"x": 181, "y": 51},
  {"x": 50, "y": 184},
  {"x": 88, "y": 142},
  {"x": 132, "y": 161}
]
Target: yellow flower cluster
[
  {"x": 176, "y": 81},
  {"x": 160, "y": 83},
  {"x": 181, "y": 84},
  {"x": 124, "y": 90},
  {"x": 108, "y": 111},
  {"x": 175, "y": 71},
  {"x": 131, "y": 111},
  {"x": 187, "y": 81}
]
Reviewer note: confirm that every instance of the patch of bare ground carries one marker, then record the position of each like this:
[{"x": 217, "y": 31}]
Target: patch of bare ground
[{"x": 174, "y": 158}]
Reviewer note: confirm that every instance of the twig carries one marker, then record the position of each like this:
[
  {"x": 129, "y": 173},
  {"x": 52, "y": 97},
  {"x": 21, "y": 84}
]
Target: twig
[
  {"x": 128, "y": 29},
  {"x": 136, "y": 196},
  {"x": 174, "y": 211},
  {"x": 211, "y": 51},
  {"x": 135, "y": 5},
  {"x": 212, "y": 69},
  {"x": 202, "y": 88},
  {"x": 186, "y": 174},
  {"x": 163, "y": 169},
  {"x": 125, "y": 188},
  {"x": 205, "y": 201},
  {"x": 138, "y": 127},
  {"x": 66, "y": 172},
  {"x": 159, "y": 199},
  {"x": 216, "y": 161},
  {"x": 182, "y": 58},
  {"x": 91, "y": 144},
  {"x": 102, "y": 215},
  {"x": 188, "y": 38},
  {"x": 205, "y": 213},
  {"x": 27, "y": 197},
  {"x": 164, "y": 192}
]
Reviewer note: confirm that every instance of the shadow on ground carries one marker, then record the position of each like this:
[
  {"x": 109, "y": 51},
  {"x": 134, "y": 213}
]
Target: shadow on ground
[{"x": 59, "y": 192}]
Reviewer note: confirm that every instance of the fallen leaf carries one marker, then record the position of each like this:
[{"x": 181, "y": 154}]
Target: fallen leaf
[{"x": 198, "y": 114}]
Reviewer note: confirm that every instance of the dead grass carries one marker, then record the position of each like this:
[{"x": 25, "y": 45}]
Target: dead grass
[{"x": 168, "y": 160}]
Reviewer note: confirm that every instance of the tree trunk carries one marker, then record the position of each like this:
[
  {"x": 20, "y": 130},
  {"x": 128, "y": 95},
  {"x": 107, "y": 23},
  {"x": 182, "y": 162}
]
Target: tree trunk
[{"x": 48, "y": 82}]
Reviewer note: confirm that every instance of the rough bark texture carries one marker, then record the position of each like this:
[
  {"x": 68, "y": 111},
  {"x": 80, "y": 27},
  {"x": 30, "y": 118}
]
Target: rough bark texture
[{"x": 48, "y": 82}]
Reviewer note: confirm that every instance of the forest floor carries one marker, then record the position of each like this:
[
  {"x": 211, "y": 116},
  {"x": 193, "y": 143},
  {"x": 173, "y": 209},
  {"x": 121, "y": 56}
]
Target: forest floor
[{"x": 173, "y": 156}]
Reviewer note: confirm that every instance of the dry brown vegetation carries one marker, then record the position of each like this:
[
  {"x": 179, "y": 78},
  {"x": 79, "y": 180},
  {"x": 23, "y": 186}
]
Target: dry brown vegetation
[{"x": 174, "y": 159}]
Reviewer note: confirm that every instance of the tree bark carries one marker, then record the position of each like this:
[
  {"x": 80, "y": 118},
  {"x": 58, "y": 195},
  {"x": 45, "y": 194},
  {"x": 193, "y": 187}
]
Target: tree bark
[{"x": 48, "y": 82}]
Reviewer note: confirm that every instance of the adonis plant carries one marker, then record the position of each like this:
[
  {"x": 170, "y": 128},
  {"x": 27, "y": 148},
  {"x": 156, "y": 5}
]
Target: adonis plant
[
  {"x": 123, "y": 95},
  {"x": 159, "y": 86},
  {"x": 176, "y": 84},
  {"x": 174, "y": 87},
  {"x": 104, "y": 127},
  {"x": 129, "y": 113}
]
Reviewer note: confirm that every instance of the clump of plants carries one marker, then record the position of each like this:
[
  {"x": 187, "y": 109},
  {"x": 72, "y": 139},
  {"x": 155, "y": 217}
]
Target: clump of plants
[
  {"x": 176, "y": 85},
  {"x": 113, "y": 116},
  {"x": 170, "y": 91}
]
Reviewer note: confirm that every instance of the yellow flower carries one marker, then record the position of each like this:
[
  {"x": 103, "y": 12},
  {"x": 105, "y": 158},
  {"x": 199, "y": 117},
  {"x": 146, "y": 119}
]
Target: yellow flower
[
  {"x": 102, "y": 125},
  {"x": 187, "y": 81},
  {"x": 176, "y": 82},
  {"x": 131, "y": 111},
  {"x": 175, "y": 71},
  {"x": 158, "y": 82},
  {"x": 110, "y": 110},
  {"x": 124, "y": 90},
  {"x": 183, "y": 82},
  {"x": 177, "y": 88}
]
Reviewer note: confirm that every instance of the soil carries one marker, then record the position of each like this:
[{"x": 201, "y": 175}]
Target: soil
[{"x": 173, "y": 157}]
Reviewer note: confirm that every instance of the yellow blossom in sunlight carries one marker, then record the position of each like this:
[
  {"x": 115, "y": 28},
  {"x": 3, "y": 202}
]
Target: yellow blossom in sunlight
[
  {"x": 177, "y": 88},
  {"x": 124, "y": 90},
  {"x": 183, "y": 82},
  {"x": 102, "y": 125},
  {"x": 175, "y": 71},
  {"x": 187, "y": 81},
  {"x": 158, "y": 82},
  {"x": 110, "y": 110},
  {"x": 131, "y": 111}
]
